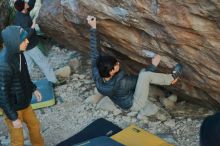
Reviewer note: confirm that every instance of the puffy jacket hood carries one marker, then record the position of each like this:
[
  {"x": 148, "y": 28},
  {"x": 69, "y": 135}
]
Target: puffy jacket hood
[{"x": 12, "y": 37}]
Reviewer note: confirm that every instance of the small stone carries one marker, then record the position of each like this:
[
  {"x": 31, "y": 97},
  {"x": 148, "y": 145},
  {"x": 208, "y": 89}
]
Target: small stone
[
  {"x": 169, "y": 104},
  {"x": 110, "y": 115},
  {"x": 106, "y": 104},
  {"x": 55, "y": 48},
  {"x": 161, "y": 117},
  {"x": 170, "y": 123},
  {"x": 63, "y": 72},
  {"x": 92, "y": 99},
  {"x": 126, "y": 119},
  {"x": 27, "y": 143},
  {"x": 153, "y": 99},
  {"x": 132, "y": 114},
  {"x": 81, "y": 77},
  {"x": 173, "y": 98},
  {"x": 104, "y": 113},
  {"x": 74, "y": 64},
  {"x": 5, "y": 142},
  {"x": 141, "y": 117},
  {"x": 149, "y": 109},
  {"x": 117, "y": 119},
  {"x": 2, "y": 137},
  {"x": 87, "y": 81},
  {"x": 156, "y": 123},
  {"x": 83, "y": 88},
  {"x": 116, "y": 112},
  {"x": 133, "y": 120},
  {"x": 189, "y": 119},
  {"x": 77, "y": 85}
]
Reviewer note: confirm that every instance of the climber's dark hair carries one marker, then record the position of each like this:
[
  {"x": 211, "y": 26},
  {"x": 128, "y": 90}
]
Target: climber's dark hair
[
  {"x": 19, "y": 5},
  {"x": 105, "y": 64}
]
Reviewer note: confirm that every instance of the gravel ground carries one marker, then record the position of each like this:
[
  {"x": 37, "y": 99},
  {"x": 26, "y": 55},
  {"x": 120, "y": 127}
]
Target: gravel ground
[{"x": 71, "y": 113}]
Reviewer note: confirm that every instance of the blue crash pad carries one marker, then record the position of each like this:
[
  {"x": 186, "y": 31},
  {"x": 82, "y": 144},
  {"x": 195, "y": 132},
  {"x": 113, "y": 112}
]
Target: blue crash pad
[
  {"x": 100, "y": 141},
  {"x": 47, "y": 92}
]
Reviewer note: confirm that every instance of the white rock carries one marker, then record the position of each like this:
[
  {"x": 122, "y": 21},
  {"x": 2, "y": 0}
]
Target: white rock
[
  {"x": 161, "y": 117},
  {"x": 83, "y": 88},
  {"x": 170, "y": 123},
  {"x": 2, "y": 138},
  {"x": 141, "y": 117},
  {"x": 63, "y": 72},
  {"x": 133, "y": 120},
  {"x": 132, "y": 114},
  {"x": 106, "y": 104},
  {"x": 149, "y": 109},
  {"x": 189, "y": 119},
  {"x": 117, "y": 119},
  {"x": 103, "y": 113},
  {"x": 5, "y": 142},
  {"x": 126, "y": 119},
  {"x": 153, "y": 99},
  {"x": 77, "y": 85},
  {"x": 81, "y": 77},
  {"x": 27, "y": 143},
  {"x": 94, "y": 99},
  {"x": 74, "y": 64},
  {"x": 87, "y": 81},
  {"x": 116, "y": 112},
  {"x": 169, "y": 104},
  {"x": 55, "y": 48},
  {"x": 110, "y": 115},
  {"x": 173, "y": 98}
]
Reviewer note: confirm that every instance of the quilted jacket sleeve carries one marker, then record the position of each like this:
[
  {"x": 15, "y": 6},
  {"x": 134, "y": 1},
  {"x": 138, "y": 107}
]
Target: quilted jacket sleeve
[
  {"x": 6, "y": 76},
  {"x": 94, "y": 52}
]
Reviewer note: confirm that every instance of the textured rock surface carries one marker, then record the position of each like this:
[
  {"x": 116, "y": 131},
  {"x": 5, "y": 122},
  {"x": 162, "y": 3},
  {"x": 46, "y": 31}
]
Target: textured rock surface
[
  {"x": 180, "y": 31},
  {"x": 4, "y": 14}
]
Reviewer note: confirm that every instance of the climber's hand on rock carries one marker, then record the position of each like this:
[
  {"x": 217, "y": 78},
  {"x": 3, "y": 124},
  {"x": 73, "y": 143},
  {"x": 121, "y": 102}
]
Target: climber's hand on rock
[
  {"x": 91, "y": 21},
  {"x": 156, "y": 60}
]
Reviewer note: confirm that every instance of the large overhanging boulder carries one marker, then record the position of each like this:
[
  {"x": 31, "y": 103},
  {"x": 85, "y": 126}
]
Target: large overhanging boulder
[{"x": 184, "y": 31}]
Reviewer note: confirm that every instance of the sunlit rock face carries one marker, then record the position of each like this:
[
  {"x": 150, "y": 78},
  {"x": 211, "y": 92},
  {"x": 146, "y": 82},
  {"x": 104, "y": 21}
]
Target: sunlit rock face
[{"x": 186, "y": 31}]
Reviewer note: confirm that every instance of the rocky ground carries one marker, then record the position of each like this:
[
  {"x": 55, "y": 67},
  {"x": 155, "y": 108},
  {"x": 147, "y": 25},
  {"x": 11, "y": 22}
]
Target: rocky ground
[{"x": 71, "y": 113}]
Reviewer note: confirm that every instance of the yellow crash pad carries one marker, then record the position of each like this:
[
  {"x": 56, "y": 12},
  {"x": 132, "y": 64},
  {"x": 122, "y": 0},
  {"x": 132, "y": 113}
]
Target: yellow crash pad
[{"x": 134, "y": 136}]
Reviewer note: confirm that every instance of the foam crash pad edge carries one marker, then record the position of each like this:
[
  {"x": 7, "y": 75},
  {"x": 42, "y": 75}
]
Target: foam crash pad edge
[
  {"x": 99, "y": 127},
  {"x": 134, "y": 136},
  {"x": 47, "y": 92},
  {"x": 100, "y": 141}
]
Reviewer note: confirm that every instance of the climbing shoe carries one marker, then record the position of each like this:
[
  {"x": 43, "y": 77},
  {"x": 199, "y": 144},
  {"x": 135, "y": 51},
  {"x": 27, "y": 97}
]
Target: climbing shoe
[{"x": 177, "y": 72}]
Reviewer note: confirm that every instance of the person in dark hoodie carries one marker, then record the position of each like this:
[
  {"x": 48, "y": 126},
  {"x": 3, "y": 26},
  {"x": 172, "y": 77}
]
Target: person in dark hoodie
[
  {"x": 33, "y": 53},
  {"x": 16, "y": 88},
  {"x": 209, "y": 133},
  {"x": 126, "y": 91}
]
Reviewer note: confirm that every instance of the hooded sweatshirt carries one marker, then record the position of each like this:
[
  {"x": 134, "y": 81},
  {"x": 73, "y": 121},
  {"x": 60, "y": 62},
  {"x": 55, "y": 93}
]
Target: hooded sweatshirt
[
  {"x": 16, "y": 87},
  {"x": 24, "y": 20}
]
